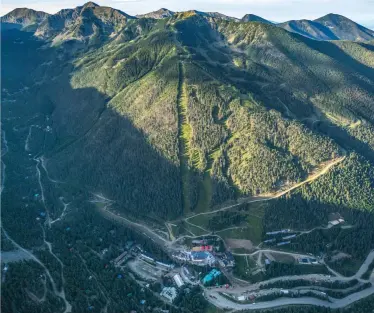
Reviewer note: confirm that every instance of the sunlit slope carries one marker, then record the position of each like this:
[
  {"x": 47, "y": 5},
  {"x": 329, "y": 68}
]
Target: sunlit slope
[{"x": 182, "y": 114}]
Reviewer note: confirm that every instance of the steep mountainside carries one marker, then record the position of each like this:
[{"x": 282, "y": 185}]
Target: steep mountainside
[
  {"x": 89, "y": 23},
  {"x": 254, "y": 18},
  {"x": 329, "y": 27},
  {"x": 23, "y": 18},
  {"x": 309, "y": 29},
  {"x": 161, "y": 13},
  {"x": 119, "y": 130},
  {"x": 345, "y": 29},
  {"x": 228, "y": 109}
]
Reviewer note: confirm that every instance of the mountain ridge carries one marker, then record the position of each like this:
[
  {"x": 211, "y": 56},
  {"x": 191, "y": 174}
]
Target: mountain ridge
[
  {"x": 176, "y": 128},
  {"x": 328, "y": 27},
  {"x": 23, "y": 18},
  {"x": 254, "y": 18}
]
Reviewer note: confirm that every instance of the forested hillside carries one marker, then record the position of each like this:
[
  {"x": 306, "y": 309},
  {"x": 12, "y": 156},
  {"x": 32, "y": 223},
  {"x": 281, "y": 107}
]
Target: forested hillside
[
  {"x": 183, "y": 113},
  {"x": 161, "y": 121},
  {"x": 329, "y": 27}
]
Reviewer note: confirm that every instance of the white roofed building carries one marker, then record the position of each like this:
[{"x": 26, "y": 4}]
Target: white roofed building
[{"x": 178, "y": 280}]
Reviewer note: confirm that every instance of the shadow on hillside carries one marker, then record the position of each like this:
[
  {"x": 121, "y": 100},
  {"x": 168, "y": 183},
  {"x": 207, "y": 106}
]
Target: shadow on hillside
[
  {"x": 344, "y": 139},
  {"x": 274, "y": 96},
  {"x": 95, "y": 147},
  {"x": 323, "y": 29},
  {"x": 334, "y": 52},
  {"x": 302, "y": 213}
]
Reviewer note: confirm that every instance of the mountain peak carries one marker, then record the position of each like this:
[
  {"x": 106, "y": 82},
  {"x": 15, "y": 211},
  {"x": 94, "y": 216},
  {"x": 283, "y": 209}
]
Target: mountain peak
[
  {"x": 254, "y": 18},
  {"x": 22, "y": 12},
  {"x": 24, "y": 17},
  {"x": 345, "y": 28},
  {"x": 333, "y": 17},
  {"x": 159, "y": 14},
  {"x": 90, "y": 4}
]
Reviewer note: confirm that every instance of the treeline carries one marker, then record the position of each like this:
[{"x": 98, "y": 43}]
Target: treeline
[
  {"x": 191, "y": 299},
  {"x": 342, "y": 294},
  {"x": 369, "y": 271},
  {"x": 276, "y": 269},
  {"x": 288, "y": 284}
]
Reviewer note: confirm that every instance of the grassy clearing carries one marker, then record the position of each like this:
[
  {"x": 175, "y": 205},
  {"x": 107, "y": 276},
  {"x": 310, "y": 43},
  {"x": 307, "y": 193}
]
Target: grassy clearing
[
  {"x": 245, "y": 266},
  {"x": 205, "y": 193},
  {"x": 201, "y": 220},
  {"x": 185, "y": 134},
  {"x": 250, "y": 229},
  {"x": 242, "y": 233},
  {"x": 283, "y": 258},
  {"x": 255, "y": 225},
  {"x": 195, "y": 230},
  {"x": 174, "y": 230}
]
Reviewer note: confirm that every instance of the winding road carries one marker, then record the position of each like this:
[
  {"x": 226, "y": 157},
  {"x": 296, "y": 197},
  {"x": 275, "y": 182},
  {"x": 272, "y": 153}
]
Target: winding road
[
  {"x": 278, "y": 194},
  {"x": 214, "y": 296},
  {"x": 59, "y": 294}
]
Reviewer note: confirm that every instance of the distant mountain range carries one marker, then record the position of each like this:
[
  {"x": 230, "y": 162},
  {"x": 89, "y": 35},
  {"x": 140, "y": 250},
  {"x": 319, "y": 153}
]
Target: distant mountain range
[
  {"x": 329, "y": 27},
  {"x": 96, "y": 22}
]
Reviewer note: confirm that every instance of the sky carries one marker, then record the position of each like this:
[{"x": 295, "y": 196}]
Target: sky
[{"x": 361, "y": 11}]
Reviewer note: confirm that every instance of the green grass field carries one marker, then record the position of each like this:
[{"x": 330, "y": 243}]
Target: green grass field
[
  {"x": 251, "y": 228},
  {"x": 205, "y": 193},
  {"x": 244, "y": 266},
  {"x": 248, "y": 233}
]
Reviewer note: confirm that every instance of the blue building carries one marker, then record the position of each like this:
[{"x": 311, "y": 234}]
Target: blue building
[{"x": 212, "y": 274}]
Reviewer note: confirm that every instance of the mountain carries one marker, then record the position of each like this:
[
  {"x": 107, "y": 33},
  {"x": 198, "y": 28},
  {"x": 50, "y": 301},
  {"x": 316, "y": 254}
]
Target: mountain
[
  {"x": 219, "y": 15},
  {"x": 329, "y": 27},
  {"x": 90, "y": 22},
  {"x": 23, "y": 18},
  {"x": 232, "y": 75},
  {"x": 254, "y": 18},
  {"x": 159, "y": 14},
  {"x": 156, "y": 131},
  {"x": 345, "y": 29},
  {"x": 165, "y": 13},
  {"x": 309, "y": 29}
]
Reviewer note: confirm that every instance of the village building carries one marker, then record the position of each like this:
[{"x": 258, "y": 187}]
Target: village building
[
  {"x": 170, "y": 293},
  {"x": 178, "y": 280}
]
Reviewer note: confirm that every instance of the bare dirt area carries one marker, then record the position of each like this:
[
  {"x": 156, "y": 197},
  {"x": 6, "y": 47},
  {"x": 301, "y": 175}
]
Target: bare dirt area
[
  {"x": 146, "y": 270},
  {"x": 239, "y": 244},
  {"x": 284, "y": 258},
  {"x": 339, "y": 256}
]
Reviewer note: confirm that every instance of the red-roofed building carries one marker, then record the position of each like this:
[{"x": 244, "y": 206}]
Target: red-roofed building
[{"x": 203, "y": 248}]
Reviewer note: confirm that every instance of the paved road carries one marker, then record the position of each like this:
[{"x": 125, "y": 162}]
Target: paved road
[
  {"x": 144, "y": 230},
  {"x": 222, "y": 302},
  {"x": 213, "y": 296}
]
